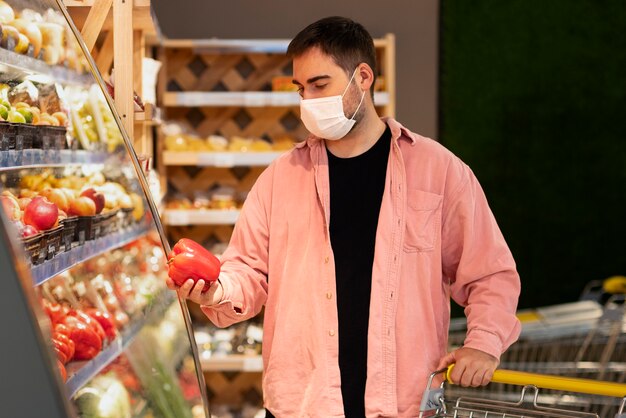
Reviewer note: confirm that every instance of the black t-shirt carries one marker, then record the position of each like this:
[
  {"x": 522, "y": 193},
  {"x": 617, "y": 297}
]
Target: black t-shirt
[{"x": 356, "y": 191}]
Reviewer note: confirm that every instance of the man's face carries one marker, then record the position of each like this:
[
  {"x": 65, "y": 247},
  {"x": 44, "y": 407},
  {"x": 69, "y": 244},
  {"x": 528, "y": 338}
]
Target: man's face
[{"x": 317, "y": 75}]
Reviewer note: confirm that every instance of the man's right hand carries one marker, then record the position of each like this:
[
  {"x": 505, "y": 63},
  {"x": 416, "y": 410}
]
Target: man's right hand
[{"x": 212, "y": 296}]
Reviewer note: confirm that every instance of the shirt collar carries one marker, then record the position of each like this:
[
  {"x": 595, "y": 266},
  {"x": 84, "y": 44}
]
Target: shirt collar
[{"x": 397, "y": 132}]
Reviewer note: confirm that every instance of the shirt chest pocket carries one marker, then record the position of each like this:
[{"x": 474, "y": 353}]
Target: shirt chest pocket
[{"x": 423, "y": 220}]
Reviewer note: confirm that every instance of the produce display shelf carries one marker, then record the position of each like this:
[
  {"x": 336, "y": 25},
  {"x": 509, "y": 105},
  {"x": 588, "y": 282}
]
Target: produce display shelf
[
  {"x": 232, "y": 363},
  {"x": 179, "y": 217},
  {"x": 81, "y": 372},
  {"x": 220, "y": 159},
  {"x": 31, "y": 158},
  {"x": 17, "y": 66},
  {"x": 269, "y": 46},
  {"x": 89, "y": 249},
  {"x": 235, "y": 46},
  {"x": 245, "y": 98}
]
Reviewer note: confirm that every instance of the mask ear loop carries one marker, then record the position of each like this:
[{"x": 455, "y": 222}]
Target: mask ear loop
[
  {"x": 349, "y": 82},
  {"x": 362, "y": 96}
]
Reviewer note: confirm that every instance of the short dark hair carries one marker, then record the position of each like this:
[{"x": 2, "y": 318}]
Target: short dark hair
[{"x": 347, "y": 42}]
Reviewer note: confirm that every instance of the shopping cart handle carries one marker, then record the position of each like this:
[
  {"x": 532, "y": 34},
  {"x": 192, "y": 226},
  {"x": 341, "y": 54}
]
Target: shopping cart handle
[{"x": 543, "y": 381}]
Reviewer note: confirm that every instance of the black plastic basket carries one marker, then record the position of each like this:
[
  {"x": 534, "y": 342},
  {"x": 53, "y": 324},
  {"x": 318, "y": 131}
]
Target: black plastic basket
[
  {"x": 50, "y": 137},
  {"x": 126, "y": 217},
  {"x": 33, "y": 246},
  {"x": 109, "y": 222},
  {"x": 8, "y": 132},
  {"x": 26, "y": 135},
  {"x": 53, "y": 241},
  {"x": 69, "y": 232},
  {"x": 88, "y": 228}
]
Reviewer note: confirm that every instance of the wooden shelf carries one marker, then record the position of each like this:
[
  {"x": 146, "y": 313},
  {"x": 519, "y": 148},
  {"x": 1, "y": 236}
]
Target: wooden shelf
[
  {"x": 232, "y": 363},
  {"x": 244, "y": 98},
  {"x": 181, "y": 217},
  {"x": 220, "y": 159},
  {"x": 142, "y": 15},
  {"x": 236, "y": 46}
]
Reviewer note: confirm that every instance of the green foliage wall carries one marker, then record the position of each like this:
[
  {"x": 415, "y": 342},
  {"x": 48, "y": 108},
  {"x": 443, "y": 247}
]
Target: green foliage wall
[{"x": 533, "y": 98}]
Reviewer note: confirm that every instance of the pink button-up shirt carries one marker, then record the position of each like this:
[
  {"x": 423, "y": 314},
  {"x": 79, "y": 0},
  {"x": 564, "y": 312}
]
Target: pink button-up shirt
[{"x": 436, "y": 239}]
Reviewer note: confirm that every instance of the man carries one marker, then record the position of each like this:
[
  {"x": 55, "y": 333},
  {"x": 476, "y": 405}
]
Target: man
[{"x": 354, "y": 242}]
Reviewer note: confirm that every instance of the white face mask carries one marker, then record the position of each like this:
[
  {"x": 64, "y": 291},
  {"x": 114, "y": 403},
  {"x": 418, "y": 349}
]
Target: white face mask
[{"x": 324, "y": 117}]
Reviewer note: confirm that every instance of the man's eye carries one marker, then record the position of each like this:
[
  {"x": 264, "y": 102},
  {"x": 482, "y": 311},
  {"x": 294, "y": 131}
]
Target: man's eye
[{"x": 320, "y": 86}]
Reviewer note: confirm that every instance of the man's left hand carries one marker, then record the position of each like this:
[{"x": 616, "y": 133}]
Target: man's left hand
[{"x": 472, "y": 367}]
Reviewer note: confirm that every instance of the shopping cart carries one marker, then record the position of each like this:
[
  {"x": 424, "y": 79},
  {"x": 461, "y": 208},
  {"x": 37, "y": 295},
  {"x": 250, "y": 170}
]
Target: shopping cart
[
  {"x": 529, "y": 403},
  {"x": 582, "y": 339}
]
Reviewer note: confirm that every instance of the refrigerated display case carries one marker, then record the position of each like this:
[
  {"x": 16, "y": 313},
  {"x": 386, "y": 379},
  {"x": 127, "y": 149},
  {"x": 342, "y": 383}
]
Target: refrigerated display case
[{"x": 90, "y": 330}]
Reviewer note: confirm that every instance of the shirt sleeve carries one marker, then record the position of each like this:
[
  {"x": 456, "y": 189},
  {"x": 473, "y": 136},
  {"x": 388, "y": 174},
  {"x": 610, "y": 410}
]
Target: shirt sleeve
[
  {"x": 479, "y": 265},
  {"x": 244, "y": 270}
]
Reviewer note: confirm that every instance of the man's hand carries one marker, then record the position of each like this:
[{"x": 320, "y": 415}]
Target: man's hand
[
  {"x": 212, "y": 296},
  {"x": 472, "y": 367}
]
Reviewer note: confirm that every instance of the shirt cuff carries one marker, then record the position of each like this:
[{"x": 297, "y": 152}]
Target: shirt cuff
[{"x": 485, "y": 341}]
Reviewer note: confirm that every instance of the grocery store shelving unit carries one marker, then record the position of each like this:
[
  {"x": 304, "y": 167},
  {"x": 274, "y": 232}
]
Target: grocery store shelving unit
[
  {"x": 41, "y": 270},
  {"x": 224, "y": 87},
  {"x": 179, "y": 217},
  {"x": 120, "y": 33},
  {"x": 233, "y": 363}
]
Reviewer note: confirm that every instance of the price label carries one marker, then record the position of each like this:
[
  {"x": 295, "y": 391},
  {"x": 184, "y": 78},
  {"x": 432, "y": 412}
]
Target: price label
[
  {"x": 253, "y": 364},
  {"x": 223, "y": 159},
  {"x": 179, "y": 217},
  {"x": 255, "y": 99}
]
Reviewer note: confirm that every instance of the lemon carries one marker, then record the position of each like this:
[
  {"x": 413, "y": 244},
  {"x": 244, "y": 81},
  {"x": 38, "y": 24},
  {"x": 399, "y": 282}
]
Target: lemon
[
  {"x": 4, "y": 112},
  {"x": 16, "y": 117},
  {"x": 28, "y": 115}
]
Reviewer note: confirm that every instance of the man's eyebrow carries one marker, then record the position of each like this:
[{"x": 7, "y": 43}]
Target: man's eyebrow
[{"x": 312, "y": 79}]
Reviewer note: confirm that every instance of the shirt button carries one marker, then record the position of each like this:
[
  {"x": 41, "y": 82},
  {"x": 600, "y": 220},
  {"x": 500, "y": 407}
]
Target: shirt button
[
  {"x": 329, "y": 295},
  {"x": 331, "y": 333}
]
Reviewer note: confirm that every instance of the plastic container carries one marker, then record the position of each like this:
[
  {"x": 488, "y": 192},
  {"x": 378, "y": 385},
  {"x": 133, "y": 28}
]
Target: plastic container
[
  {"x": 50, "y": 137},
  {"x": 53, "y": 241},
  {"x": 8, "y": 132},
  {"x": 33, "y": 246},
  {"x": 69, "y": 231},
  {"x": 88, "y": 228},
  {"x": 126, "y": 217},
  {"x": 26, "y": 135},
  {"x": 109, "y": 222}
]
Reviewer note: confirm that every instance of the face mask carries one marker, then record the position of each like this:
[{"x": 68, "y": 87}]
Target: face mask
[{"x": 324, "y": 117}]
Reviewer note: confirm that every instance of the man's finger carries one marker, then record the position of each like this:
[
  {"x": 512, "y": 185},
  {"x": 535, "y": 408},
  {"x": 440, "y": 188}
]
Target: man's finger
[
  {"x": 170, "y": 284},
  {"x": 447, "y": 360},
  {"x": 487, "y": 377},
  {"x": 196, "y": 293},
  {"x": 478, "y": 378},
  {"x": 457, "y": 373}
]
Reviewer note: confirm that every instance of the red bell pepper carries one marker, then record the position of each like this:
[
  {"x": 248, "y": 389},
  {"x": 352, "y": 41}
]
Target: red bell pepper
[
  {"x": 106, "y": 322},
  {"x": 87, "y": 341},
  {"x": 88, "y": 320},
  {"x": 62, "y": 370},
  {"x": 62, "y": 329},
  {"x": 56, "y": 312},
  {"x": 185, "y": 266},
  {"x": 186, "y": 245},
  {"x": 190, "y": 260},
  {"x": 63, "y": 346}
]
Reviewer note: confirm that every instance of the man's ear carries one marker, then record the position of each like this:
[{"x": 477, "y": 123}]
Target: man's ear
[{"x": 365, "y": 76}]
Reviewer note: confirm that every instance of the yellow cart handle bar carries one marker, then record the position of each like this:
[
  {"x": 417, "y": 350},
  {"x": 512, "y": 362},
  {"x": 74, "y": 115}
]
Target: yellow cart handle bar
[{"x": 542, "y": 381}]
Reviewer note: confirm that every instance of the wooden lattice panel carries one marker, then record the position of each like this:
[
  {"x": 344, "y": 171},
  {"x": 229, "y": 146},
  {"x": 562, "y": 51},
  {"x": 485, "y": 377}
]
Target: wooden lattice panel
[
  {"x": 234, "y": 388},
  {"x": 188, "y": 71}
]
